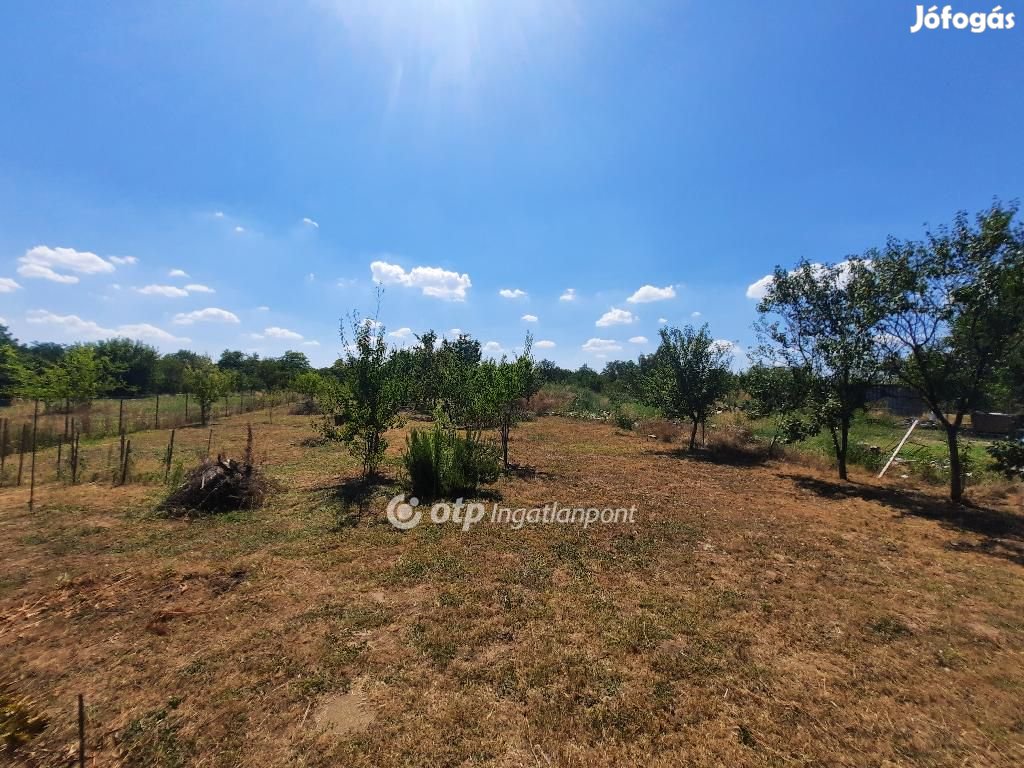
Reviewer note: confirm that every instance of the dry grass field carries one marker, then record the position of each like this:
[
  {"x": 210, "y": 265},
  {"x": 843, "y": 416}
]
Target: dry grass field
[{"x": 754, "y": 614}]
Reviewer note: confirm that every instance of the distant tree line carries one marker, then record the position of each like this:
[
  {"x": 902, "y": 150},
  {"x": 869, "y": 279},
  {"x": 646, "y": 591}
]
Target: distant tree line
[{"x": 75, "y": 374}]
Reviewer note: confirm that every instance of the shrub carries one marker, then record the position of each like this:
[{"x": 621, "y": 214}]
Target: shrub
[
  {"x": 549, "y": 400},
  {"x": 661, "y": 429},
  {"x": 19, "y": 720},
  {"x": 1008, "y": 456},
  {"x": 441, "y": 463}
]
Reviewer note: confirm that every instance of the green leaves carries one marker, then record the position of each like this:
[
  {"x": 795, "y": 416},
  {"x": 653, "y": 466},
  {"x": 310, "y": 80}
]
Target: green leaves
[{"x": 689, "y": 374}]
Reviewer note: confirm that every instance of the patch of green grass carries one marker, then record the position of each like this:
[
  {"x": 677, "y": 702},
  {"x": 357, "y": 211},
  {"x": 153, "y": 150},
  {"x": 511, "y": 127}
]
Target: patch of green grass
[
  {"x": 889, "y": 628},
  {"x": 153, "y": 739}
]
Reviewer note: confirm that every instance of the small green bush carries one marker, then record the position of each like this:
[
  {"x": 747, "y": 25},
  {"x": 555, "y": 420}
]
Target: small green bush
[
  {"x": 1008, "y": 456},
  {"x": 441, "y": 463}
]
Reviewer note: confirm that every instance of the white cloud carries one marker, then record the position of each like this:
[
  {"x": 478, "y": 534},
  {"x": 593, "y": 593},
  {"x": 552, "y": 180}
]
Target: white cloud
[
  {"x": 218, "y": 214},
  {"x": 210, "y": 314},
  {"x": 151, "y": 332},
  {"x": 455, "y": 332},
  {"x": 615, "y": 316},
  {"x": 311, "y": 343},
  {"x": 7, "y": 285},
  {"x": 662, "y": 320},
  {"x": 72, "y": 325},
  {"x": 401, "y": 333},
  {"x": 274, "y": 332},
  {"x": 311, "y": 277},
  {"x": 170, "y": 291},
  {"x": 239, "y": 229},
  {"x": 43, "y": 262},
  {"x": 432, "y": 281},
  {"x": 695, "y": 315},
  {"x": 529, "y": 318},
  {"x": 123, "y": 259},
  {"x": 310, "y": 223},
  {"x": 601, "y": 346},
  {"x": 199, "y": 288},
  {"x": 45, "y": 273},
  {"x": 759, "y": 289},
  {"x": 492, "y": 347},
  {"x": 76, "y": 327},
  {"x": 638, "y": 340},
  {"x": 648, "y": 293},
  {"x": 263, "y": 308},
  {"x": 569, "y": 295},
  {"x": 729, "y": 346},
  {"x": 177, "y": 273},
  {"x": 511, "y": 293},
  {"x": 544, "y": 344}
]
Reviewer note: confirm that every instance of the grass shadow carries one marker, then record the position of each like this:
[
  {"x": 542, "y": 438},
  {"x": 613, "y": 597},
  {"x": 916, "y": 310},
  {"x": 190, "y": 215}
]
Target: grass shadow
[
  {"x": 1002, "y": 531},
  {"x": 722, "y": 456},
  {"x": 359, "y": 498},
  {"x": 524, "y": 472}
]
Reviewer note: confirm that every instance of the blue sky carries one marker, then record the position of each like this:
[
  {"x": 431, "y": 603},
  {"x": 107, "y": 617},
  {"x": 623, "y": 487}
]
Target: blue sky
[{"x": 275, "y": 151}]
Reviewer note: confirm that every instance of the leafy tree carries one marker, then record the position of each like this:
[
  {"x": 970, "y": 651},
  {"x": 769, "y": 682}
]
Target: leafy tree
[
  {"x": 424, "y": 383},
  {"x": 291, "y": 364},
  {"x": 131, "y": 364},
  {"x": 207, "y": 384},
  {"x": 955, "y": 315},
  {"x": 690, "y": 373},
  {"x": 368, "y": 397},
  {"x": 13, "y": 372},
  {"x": 823, "y": 320},
  {"x": 501, "y": 391},
  {"x": 6, "y": 338},
  {"x": 457, "y": 363},
  {"x": 169, "y": 377},
  {"x": 781, "y": 393},
  {"x": 80, "y": 377},
  {"x": 39, "y": 354}
]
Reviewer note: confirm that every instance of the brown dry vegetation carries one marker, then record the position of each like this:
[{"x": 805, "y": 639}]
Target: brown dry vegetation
[{"x": 755, "y": 614}]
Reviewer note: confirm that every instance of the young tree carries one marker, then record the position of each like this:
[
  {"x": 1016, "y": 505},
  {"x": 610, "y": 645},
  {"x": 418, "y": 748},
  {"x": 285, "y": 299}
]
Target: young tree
[
  {"x": 207, "y": 384},
  {"x": 367, "y": 399},
  {"x": 500, "y": 392},
  {"x": 690, "y": 373},
  {"x": 823, "y": 320},
  {"x": 955, "y": 315},
  {"x": 782, "y": 394}
]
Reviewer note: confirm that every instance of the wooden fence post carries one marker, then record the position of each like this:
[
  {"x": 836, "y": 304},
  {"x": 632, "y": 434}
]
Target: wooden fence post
[
  {"x": 186, "y": 407},
  {"x": 32, "y": 471},
  {"x": 76, "y": 445},
  {"x": 81, "y": 731},
  {"x": 170, "y": 456},
  {"x": 120, "y": 418},
  {"x": 3, "y": 448}
]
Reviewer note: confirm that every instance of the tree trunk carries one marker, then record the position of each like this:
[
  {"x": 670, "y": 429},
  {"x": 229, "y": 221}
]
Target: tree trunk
[
  {"x": 844, "y": 444},
  {"x": 504, "y": 443},
  {"x": 693, "y": 436},
  {"x": 956, "y": 479}
]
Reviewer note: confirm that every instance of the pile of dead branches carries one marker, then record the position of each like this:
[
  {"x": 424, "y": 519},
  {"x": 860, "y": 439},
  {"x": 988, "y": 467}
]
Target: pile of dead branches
[{"x": 218, "y": 485}]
